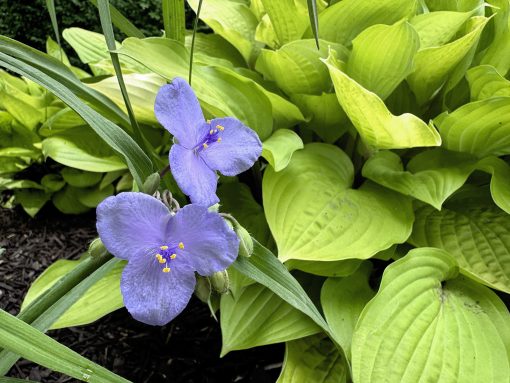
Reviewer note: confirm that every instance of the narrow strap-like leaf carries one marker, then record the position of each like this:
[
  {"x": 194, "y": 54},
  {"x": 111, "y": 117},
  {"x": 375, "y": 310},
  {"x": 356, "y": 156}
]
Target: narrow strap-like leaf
[
  {"x": 121, "y": 22},
  {"x": 314, "y": 19},
  {"x": 137, "y": 161},
  {"x": 174, "y": 19},
  {"x": 31, "y": 344},
  {"x": 193, "y": 41},
  {"x": 50, "y": 4}
]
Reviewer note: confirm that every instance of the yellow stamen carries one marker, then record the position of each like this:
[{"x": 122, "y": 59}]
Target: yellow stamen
[
  {"x": 161, "y": 260},
  {"x": 173, "y": 256},
  {"x": 158, "y": 256},
  {"x": 211, "y": 132},
  {"x": 181, "y": 245},
  {"x": 219, "y": 139},
  {"x": 208, "y": 121},
  {"x": 221, "y": 128},
  {"x": 166, "y": 269},
  {"x": 205, "y": 145},
  {"x": 164, "y": 247}
]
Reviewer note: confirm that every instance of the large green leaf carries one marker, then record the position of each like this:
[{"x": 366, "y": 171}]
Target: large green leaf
[
  {"x": 313, "y": 359},
  {"x": 486, "y": 82},
  {"x": 428, "y": 324},
  {"x": 325, "y": 116},
  {"x": 142, "y": 90},
  {"x": 296, "y": 68},
  {"x": 434, "y": 64},
  {"x": 315, "y": 216},
  {"x": 32, "y": 200},
  {"x": 211, "y": 45},
  {"x": 67, "y": 200},
  {"x": 434, "y": 175},
  {"x": 233, "y": 21},
  {"x": 90, "y": 46},
  {"x": 100, "y": 299},
  {"x": 481, "y": 128},
  {"x": 257, "y": 316},
  {"x": 438, "y": 28},
  {"x": 476, "y": 233},
  {"x": 453, "y": 5},
  {"x": 279, "y": 148},
  {"x": 343, "y": 21},
  {"x": 498, "y": 52},
  {"x": 342, "y": 300},
  {"x": 374, "y": 122},
  {"x": 382, "y": 57},
  {"x": 82, "y": 149}
]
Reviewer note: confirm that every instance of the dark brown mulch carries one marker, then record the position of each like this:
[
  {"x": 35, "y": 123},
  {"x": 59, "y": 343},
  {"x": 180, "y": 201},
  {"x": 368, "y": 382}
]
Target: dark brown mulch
[{"x": 186, "y": 350}]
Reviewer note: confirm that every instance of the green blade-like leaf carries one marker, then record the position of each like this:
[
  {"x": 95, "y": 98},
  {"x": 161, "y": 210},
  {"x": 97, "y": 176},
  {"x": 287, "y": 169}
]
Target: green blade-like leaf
[
  {"x": 279, "y": 148},
  {"x": 313, "y": 13},
  {"x": 343, "y": 300},
  {"x": 313, "y": 359},
  {"x": 264, "y": 268},
  {"x": 374, "y": 122},
  {"x": 382, "y": 57},
  {"x": 121, "y": 22},
  {"x": 173, "y": 19},
  {"x": 426, "y": 323},
  {"x": 481, "y": 128},
  {"x": 137, "y": 160},
  {"x": 50, "y": 4},
  {"x": 257, "y": 316},
  {"x": 313, "y": 192},
  {"x": 434, "y": 64},
  {"x": 476, "y": 234}
]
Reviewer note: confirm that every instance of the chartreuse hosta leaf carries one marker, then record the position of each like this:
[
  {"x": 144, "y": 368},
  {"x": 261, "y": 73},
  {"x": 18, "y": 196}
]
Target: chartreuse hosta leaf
[
  {"x": 434, "y": 175},
  {"x": 343, "y": 21},
  {"x": 434, "y": 64},
  {"x": 232, "y": 20},
  {"x": 296, "y": 68},
  {"x": 342, "y": 300},
  {"x": 374, "y": 122},
  {"x": 315, "y": 216},
  {"x": 90, "y": 46},
  {"x": 382, "y": 57},
  {"x": 486, "y": 82},
  {"x": 498, "y": 52},
  {"x": 313, "y": 359},
  {"x": 429, "y": 324},
  {"x": 481, "y": 128},
  {"x": 257, "y": 316},
  {"x": 325, "y": 116},
  {"x": 455, "y": 5},
  {"x": 279, "y": 148},
  {"x": 438, "y": 28},
  {"x": 102, "y": 298},
  {"x": 142, "y": 90},
  {"x": 476, "y": 233}
]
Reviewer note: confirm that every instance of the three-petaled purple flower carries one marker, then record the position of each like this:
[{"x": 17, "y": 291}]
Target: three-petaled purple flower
[
  {"x": 203, "y": 147},
  {"x": 163, "y": 251}
]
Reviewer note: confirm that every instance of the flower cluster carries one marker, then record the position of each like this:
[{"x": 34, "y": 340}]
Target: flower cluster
[{"x": 165, "y": 249}]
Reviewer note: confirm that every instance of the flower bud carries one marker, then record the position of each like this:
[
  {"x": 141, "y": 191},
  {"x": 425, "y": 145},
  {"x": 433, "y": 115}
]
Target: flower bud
[
  {"x": 96, "y": 248},
  {"x": 203, "y": 289},
  {"x": 245, "y": 241},
  {"x": 151, "y": 184},
  {"x": 220, "y": 282}
]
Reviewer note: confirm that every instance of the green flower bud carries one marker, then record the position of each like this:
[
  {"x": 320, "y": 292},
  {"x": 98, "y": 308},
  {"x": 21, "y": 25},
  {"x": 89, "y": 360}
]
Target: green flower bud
[
  {"x": 203, "y": 289},
  {"x": 96, "y": 248},
  {"x": 245, "y": 241},
  {"x": 220, "y": 282},
  {"x": 151, "y": 184}
]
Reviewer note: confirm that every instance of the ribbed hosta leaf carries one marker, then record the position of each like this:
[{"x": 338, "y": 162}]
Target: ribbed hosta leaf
[
  {"x": 434, "y": 175},
  {"x": 486, "y": 82},
  {"x": 343, "y": 21},
  {"x": 374, "y": 122},
  {"x": 476, "y": 234},
  {"x": 481, "y": 128},
  {"x": 315, "y": 216},
  {"x": 498, "y": 52},
  {"x": 428, "y": 324},
  {"x": 313, "y": 359},
  {"x": 279, "y": 148},
  {"x": 434, "y": 64},
  {"x": 257, "y": 317},
  {"x": 382, "y": 57}
]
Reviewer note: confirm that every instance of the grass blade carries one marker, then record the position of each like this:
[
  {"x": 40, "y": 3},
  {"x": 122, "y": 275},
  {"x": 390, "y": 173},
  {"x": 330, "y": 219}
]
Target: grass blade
[
  {"x": 121, "y": 22},
  {"x": 50, "y": 4},
  {"x": 174, "y": 19},
  {"x": 314, "y": 19},
  {"x": 195, "y": 26}
]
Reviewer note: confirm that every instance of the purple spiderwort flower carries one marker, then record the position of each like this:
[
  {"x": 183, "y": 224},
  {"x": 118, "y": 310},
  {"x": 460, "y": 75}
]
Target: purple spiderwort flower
[
  {"x": 163, "y": 251},
  {"x": 203, "y": 147}
]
